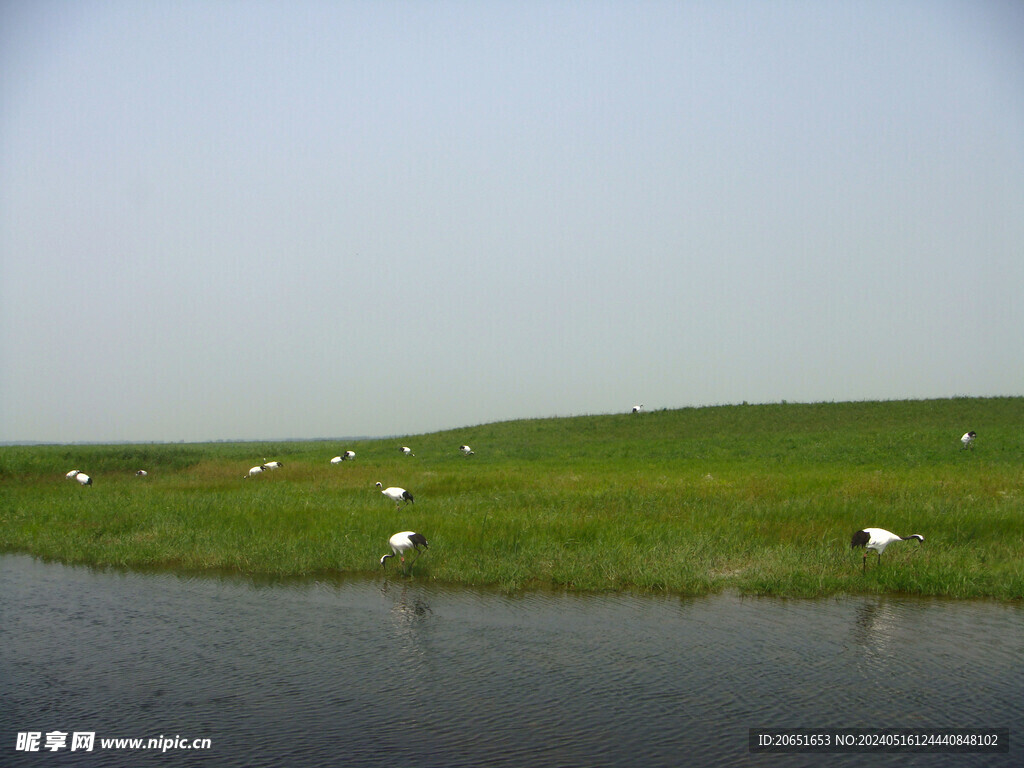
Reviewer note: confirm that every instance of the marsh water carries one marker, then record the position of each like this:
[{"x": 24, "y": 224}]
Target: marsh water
[{"x": 399, "y": 672}]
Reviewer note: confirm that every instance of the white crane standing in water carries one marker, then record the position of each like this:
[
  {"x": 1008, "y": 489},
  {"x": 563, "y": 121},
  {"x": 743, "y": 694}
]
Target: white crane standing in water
[{"x": 401, "y": 543}]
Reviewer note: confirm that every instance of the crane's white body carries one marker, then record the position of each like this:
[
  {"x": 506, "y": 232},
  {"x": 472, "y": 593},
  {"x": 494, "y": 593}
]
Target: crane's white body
[
  {"x": 407, "y": 450},
  {"x": 346, "y": 456},
  {"x": 141, "y": 473},
  {"x": 72, "y": 474},
  {"x": 638, "y": 408},
  {"x": 397, "y": 495},
  {"x": 466, "y": 450},
  {"x": 83, "y": 478},
  {"x": 968, "y": 439},
  {"x": 337, "y": 460},
  {"x": 402, "y": 542},
  {"x": 253, "y": 471},
  {"x": 272, "y": 464}
]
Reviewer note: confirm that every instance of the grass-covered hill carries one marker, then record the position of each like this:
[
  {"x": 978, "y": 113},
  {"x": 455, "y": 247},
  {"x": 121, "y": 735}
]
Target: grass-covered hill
[{"x": 758, "y": 498}]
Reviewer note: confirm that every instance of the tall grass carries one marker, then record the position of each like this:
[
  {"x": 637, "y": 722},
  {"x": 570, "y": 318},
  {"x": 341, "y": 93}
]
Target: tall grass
[{"x": 760, "y": 499}]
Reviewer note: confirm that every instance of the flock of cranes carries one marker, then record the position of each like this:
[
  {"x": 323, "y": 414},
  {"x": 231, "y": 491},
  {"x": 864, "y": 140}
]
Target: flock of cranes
[
  {"x": 875, "y": 540},
  {"x": 400, "y": 543},
  {"x": 259, "y": 469},
  {"x": 81, "y": 477}
]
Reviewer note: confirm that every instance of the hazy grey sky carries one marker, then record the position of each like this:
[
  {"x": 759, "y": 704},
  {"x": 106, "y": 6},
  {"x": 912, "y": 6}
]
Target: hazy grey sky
[{"x": 226, "y": 220}]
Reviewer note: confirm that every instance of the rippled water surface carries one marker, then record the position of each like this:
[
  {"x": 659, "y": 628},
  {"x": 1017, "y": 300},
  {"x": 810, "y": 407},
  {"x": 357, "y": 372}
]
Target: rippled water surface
[{"x": 373, "y": 673}]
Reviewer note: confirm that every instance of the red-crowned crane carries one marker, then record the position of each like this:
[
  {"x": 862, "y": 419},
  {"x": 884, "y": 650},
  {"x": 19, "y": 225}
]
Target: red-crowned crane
[
  {"x": 401, "y": 543},
  {"x": 877, "y": 539},
  {"x": 272, "y": 464},
  {"x": 397, "y": 495},
  {"x": 406, "y": 450},
  {"x": 72, "y": 474},
  {"x": 968, "y": 439},
  {"x": 83, "y": 478},
  {"x": 466, "y": 450},
  {"x": 638, "y": 408},
  {"x": 253, "y": 471}
]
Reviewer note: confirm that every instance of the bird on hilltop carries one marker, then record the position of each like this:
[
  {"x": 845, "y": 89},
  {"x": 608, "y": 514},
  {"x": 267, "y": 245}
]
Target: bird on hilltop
[
  {"x": 407, "y": 450},
  {"x": 638, "y": 408},
  {"x": 397, "y": 495},
  {"x": 466, "y": 450},
  {"x": 877, "y": 539},
  {"x": 402, "y": 542}
]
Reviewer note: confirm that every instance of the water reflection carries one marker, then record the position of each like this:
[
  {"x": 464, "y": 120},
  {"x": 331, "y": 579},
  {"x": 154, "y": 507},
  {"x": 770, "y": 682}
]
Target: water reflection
[
  {"x": 396, "y": 671},
  {"x": 874, "y": 629},
  {"x": 407, "y": 607},
  {"x": 408, "y": 617}
]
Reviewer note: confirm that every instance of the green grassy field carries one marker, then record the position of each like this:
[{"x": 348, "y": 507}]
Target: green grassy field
[{"x": 759, "y": 499}]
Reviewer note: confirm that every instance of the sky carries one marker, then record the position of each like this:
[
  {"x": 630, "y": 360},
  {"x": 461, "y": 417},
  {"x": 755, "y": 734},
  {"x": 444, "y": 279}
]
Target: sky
[{"x": 227, "y": 220}]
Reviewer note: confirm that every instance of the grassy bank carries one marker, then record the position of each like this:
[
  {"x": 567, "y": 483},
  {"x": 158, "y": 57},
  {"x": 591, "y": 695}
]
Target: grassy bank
[{"x": 761, "y": 499}]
